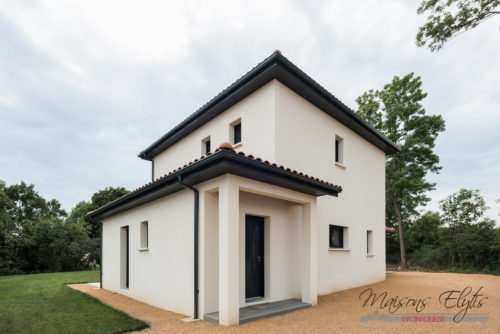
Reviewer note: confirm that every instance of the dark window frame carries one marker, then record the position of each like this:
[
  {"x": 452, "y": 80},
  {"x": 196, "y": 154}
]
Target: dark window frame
[
  {"x": 337, "y": 144},
  {"x": 207, "y": 146},
  {"x": 237, "y": 133},
  {"x": 340, "y": 230}
]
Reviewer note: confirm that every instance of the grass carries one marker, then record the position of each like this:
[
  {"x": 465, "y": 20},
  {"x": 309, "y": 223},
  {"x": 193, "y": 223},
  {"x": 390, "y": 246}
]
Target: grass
[{"x": 42, "y": 303}]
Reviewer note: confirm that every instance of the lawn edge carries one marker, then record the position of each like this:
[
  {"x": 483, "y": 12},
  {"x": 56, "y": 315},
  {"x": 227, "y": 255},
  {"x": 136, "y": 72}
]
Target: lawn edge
[{"x": 143, "y": 324}]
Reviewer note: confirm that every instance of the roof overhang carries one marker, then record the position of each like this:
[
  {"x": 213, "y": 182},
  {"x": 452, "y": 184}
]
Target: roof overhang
[
  {"x": 219, "y": 163},
  {"x": 280, "y": 68}
]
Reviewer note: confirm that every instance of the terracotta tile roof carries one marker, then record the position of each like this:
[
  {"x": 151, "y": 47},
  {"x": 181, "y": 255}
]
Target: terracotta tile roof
[
  {"x": 224, "y": 146},
  {"x": 390, "y": 229}
]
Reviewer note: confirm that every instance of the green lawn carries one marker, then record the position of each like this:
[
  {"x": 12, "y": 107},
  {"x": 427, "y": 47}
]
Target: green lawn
[{"x": 42, "y": 303}]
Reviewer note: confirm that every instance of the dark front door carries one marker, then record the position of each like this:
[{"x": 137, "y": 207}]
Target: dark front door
[{"x": 254, "y": 257}]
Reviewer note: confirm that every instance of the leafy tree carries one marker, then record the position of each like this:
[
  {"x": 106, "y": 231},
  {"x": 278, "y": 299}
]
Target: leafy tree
[
  {"x": 98, "y": 199},
  {"x": 77, "y": 216},
  {"x": 466, "y": 206},
  {"x": 103, "y": 197},
  {"x": 7, "y": 232},
  {"x": 36, "y": 236},
  {"x": 425, "y": 230},
  {"x": 397, "y": 112},
  {"x": 448, "y": 18},
  {"x": 470, "y": 234},
  {"x": 29, "y": 205}
]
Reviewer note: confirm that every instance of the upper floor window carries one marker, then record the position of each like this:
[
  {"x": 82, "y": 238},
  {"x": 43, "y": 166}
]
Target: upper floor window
[
  {"x": 235, "y": 132},
  {"x": 205, "y": 146},
  {"x": 339, "y": 150}
]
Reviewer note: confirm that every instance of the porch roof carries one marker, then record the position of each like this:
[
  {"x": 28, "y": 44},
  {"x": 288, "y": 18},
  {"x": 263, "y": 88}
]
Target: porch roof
[{"x": 225, "y": 160}]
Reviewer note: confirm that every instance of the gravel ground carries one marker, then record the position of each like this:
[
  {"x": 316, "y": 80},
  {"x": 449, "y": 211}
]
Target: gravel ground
[{"x": 340, "y": 312}]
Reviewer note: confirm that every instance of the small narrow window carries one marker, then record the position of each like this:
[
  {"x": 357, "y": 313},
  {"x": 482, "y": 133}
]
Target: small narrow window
[
  {"x": 336, "y": 151},
  {"x": 339, "y": 150},
  {"x": 205, "y": 146},
  {"x": 144, "y": 235},
  {"x": 237, "y": 133},
  {"x": 124, "y": 257},
  {"x": 336, "y": 236},
  {"x": 369, "y": 242}
]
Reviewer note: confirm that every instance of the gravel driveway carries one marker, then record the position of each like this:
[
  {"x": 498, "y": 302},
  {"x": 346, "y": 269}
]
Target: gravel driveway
[{"x": 340, "y": 312}]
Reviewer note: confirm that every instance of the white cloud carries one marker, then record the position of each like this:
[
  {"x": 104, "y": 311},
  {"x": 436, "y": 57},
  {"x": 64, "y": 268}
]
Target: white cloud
[{"x": 82, "y": 81}]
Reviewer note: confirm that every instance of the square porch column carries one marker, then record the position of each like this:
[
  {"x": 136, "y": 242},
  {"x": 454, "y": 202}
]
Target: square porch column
[
  {"x": 309, "y": 254},
  {"x": 229, "y": 311}
]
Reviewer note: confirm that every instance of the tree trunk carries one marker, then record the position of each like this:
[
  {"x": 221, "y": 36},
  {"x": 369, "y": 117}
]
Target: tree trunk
[
  {"x": 401, "y": 237},
  {"x": 397, "y": 207}
]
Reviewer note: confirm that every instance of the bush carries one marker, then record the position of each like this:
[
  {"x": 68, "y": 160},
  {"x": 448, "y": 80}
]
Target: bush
[{"x": 426, "y": 257}]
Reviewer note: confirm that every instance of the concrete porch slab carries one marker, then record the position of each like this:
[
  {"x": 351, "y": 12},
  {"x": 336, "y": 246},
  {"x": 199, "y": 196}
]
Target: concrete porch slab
[{"x": 261, "y": 311}]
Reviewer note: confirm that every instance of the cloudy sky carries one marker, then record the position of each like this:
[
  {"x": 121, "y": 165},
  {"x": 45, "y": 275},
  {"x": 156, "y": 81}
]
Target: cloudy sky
[{"x": 86, "y": 85}]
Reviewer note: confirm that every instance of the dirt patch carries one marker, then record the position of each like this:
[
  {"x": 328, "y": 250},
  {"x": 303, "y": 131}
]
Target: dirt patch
[{"x": 340, "y": 312}]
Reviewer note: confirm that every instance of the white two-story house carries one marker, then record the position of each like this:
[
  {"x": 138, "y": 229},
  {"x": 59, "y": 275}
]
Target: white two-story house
[{"x": 273, "y": 191}]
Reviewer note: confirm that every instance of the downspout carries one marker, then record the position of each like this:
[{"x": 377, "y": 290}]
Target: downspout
[{"x": 196, "y": 223}]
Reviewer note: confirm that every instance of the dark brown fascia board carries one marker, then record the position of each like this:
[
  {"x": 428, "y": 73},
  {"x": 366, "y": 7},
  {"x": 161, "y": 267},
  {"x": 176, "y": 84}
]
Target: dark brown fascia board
[
  {"x": 219, "y": 163},
  {"x": 280, "y": 68}
]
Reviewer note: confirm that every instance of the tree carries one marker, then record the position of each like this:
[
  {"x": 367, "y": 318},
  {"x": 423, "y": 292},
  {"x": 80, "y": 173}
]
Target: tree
[
  {"x": 28, "y": 204},
  {"x": 466, "y": 206},
  {"x": 470, "y": 238},
  {"x": 77, "y": 216},
  {"x": 33, "y": 234},
  {"x": 448, "y": 18},
  {"x": 36, "y": 236},
  {"x": 103, "y": 197},
  {"x": 396, "y": 111},
  {"x": 7, "y": 232},
  {"x": 425, "y": 230},
  {"x": 98, "y": 199}
]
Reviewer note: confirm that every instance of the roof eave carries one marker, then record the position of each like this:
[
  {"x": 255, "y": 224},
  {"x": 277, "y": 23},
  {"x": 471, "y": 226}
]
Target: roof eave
[
  {"x": 274, "y": 67},
  {"x": 219, "y": 163}
]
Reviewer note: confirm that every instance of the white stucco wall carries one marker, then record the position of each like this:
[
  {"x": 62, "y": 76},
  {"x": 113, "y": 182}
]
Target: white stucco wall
[
  {"x": 305, "y": 141},
  {"x": 280, "y": 126},
  {"x": 162, "y": 276},
  {"x": 257, "y": 127}
]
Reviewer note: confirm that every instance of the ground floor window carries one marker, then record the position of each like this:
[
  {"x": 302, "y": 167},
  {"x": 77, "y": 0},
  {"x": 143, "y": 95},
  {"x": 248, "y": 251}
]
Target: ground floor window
[
  {"x": 336, "y": 236},
  {"x": 369, "y": 242},
  {"x": 144, "y": 235}
]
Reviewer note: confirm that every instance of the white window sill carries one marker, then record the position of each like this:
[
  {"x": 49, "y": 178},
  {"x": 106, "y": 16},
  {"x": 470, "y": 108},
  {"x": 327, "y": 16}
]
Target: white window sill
[
  {"x": 238, "y": 145},
  {"x": 370, "y": 255},
  {"x": 341, "y": 165},
  {"x": 339, "y": 249},
  {"x": 143, "y": 249}
]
